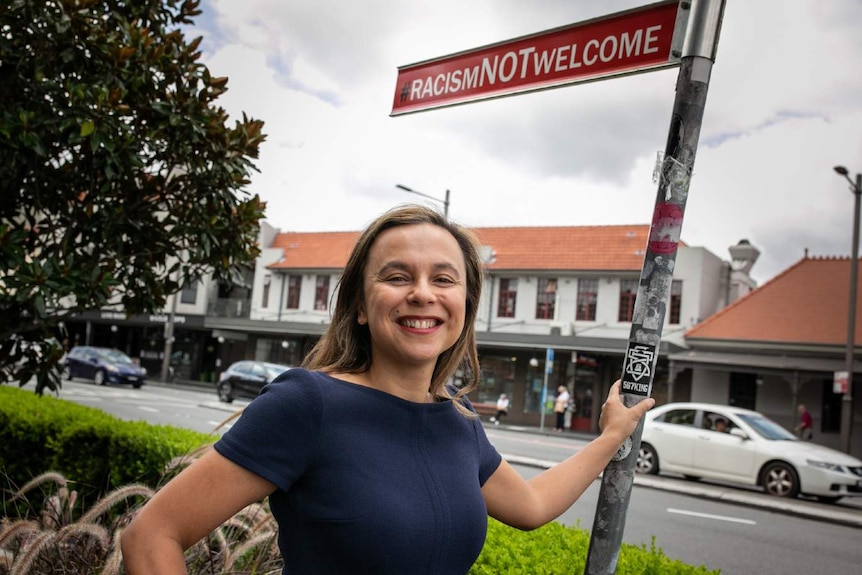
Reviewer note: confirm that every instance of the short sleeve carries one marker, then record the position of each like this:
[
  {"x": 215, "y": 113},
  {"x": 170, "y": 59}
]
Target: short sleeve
[
  {"x": 489, "y": 457},
  {"x": 276, "y": 435}
]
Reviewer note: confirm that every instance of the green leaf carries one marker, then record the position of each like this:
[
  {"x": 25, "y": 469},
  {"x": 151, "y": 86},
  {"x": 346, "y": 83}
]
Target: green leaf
[{"x": 87, "y": 128}]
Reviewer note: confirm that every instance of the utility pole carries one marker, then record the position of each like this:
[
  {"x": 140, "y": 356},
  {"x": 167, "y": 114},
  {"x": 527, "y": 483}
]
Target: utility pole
[
  {"x": 847, "y": 400},
  {"x": 169, "y": 339},
  {"x": 653, "y": 295}
]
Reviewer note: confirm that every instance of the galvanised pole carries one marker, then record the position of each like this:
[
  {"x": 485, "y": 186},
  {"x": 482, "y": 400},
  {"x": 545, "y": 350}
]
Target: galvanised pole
[
  {"x": 653, "y": 295},
  {"x": 847, "y": 400}
]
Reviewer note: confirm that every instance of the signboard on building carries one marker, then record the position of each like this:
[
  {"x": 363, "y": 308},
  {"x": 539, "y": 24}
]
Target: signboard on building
[
  {"x": 841, "y": 382},
  {"x": 638, "y": 40}
]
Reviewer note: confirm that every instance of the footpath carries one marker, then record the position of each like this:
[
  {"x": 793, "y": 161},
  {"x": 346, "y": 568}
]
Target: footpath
[{"x": 846, "y": 512}]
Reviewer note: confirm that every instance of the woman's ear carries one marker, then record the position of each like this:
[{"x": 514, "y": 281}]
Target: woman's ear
[{"x": 361, "y": 318}]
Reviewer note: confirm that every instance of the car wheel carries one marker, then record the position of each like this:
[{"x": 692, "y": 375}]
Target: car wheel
[
  {"x": 99, "y": 378},
  {"x": 137, "y": 385},
  {"x": 225, "y": 391},
  {"x": 647, "y": 459},
  {"x": 67, "y": 373},
  {"x": 692, "y": 477},
  {"x": 780, "y": 480}
]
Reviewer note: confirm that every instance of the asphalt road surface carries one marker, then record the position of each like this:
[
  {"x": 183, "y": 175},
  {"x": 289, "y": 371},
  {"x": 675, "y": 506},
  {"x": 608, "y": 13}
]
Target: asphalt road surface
[{"x": 737, "y": 539}]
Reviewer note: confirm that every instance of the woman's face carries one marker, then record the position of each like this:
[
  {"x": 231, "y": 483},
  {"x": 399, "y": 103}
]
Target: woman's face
[{"x": 415, "y": 295}]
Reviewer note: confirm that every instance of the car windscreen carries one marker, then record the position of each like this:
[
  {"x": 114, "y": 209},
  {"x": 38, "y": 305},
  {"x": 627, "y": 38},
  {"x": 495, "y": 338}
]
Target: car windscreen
[
  {"x": 114, "y": 356},
  {"x": 273, "y": 371},
  {"x": 766, "y": 428}
]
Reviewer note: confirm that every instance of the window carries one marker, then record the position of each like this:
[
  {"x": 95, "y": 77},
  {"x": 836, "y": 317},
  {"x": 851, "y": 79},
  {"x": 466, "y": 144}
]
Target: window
[
  {"x": 321, "y": 293},
  {"x": 588, "y": 295},
  {"x": 266, "y": 281},
  {"x": 189, "y": 293},
  {"x": 294, "y": 286},
  {"x": 546, "y": 298},
  {"x": 675, "y": 301},
  {"x": 679, "y": 417},
  {"x": 508, "y": 294},
  {"x": 628, "y": 293}
]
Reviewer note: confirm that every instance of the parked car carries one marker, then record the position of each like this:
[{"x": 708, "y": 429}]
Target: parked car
[
  {"x": 246, "y": 379},
  {"x": 103, "y": 365},
  {"x": 752, "y": 449}
]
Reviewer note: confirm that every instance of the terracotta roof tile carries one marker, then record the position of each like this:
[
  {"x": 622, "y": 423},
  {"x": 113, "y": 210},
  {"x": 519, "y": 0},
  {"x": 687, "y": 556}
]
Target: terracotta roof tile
[
  {"x": 806, "y": 303},
  {"x": 314, "y": 250},
  {"x": 583, "y": 248}
]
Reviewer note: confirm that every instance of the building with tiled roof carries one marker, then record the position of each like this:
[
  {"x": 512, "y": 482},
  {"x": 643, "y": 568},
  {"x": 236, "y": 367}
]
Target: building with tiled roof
[
  {"x": 779, "y": 346},
  {"x": 569, "y": 288}
]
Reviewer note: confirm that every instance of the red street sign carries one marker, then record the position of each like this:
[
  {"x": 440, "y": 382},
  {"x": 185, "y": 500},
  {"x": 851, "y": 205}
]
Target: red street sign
[{"x": 639, "y": 40}]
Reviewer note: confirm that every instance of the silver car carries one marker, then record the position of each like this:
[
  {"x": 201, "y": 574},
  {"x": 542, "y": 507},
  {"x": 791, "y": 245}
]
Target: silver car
[{"x": 724, "y": 443}]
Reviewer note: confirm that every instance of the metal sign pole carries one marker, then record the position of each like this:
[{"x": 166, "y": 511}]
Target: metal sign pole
[{"x": 656, "y": 277}]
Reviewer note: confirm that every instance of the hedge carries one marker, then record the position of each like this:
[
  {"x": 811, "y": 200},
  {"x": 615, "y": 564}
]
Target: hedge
[{"x": 96, "y": 451}]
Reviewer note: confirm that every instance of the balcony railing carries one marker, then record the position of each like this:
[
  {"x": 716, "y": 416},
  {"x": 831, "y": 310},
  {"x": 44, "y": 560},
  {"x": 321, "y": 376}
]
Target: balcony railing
[{"x": 229, "y": 308}]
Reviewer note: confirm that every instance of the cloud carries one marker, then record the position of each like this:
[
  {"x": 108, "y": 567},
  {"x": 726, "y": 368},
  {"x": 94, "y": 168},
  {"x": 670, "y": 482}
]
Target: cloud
[{"x": 784, "y": 106}]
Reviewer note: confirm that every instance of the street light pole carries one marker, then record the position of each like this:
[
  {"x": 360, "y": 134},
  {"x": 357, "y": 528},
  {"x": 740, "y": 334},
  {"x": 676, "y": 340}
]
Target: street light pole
[
  {"x": 445, "y": 201},
  {"x": 847, "y": 400}
]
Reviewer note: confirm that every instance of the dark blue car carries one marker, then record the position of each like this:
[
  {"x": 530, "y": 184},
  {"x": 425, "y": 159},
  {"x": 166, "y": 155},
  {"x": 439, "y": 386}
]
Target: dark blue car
[{"x": 103, "y": 366}]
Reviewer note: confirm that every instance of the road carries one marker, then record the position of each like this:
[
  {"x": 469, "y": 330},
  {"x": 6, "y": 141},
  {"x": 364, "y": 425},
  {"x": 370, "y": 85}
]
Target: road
[{"x": 723, "y": 528}]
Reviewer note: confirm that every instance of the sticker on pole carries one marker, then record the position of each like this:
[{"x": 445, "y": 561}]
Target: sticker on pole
[{"x": 637, "y": 374}]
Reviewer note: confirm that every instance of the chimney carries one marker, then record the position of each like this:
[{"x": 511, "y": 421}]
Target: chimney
[{"x": 743, "y": 255}]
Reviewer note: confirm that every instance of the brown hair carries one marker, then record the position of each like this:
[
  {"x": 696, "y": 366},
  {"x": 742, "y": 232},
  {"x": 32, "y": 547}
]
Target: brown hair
[{"x": 346, "y": 345}]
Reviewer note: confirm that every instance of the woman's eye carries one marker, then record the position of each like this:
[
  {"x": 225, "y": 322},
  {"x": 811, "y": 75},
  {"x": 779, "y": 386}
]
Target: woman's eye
[
  {"x": 397, "y": 279},
  {"x": 444, "y": 281}
]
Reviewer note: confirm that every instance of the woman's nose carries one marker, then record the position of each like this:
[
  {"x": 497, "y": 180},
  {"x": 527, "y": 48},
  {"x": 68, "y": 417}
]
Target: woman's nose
[{"x": 423, "y": 291}]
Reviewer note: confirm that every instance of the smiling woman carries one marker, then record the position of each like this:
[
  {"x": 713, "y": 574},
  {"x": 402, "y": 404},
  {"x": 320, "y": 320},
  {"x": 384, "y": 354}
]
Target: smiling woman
[{"x": 372, "y": 461}]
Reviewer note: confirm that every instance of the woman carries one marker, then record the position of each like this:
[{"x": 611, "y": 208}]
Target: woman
[
  {"x": 561, "y": 404},
  {"x": 371, "y": 462}
]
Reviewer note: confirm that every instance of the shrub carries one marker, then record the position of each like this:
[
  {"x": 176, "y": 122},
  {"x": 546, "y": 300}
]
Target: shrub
[
  {"x": 556, "y": 549},
  {"x": 94, "y": 450}
]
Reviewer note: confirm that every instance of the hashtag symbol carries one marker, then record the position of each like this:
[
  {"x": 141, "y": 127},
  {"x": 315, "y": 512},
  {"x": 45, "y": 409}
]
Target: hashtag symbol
[{"x": 405, "y": 91}]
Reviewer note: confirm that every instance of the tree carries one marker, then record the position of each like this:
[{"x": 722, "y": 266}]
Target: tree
[{"x": 120, "y": 179}]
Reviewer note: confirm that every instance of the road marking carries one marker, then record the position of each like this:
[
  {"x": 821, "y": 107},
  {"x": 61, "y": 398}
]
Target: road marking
[
  {"x": 150, "y": 409},
  {"x": 710, "y": 516},
  {"x": 563, "y": 444}
]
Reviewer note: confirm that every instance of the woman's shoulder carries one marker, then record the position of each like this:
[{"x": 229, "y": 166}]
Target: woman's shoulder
[{"x": 296, "y": 382}]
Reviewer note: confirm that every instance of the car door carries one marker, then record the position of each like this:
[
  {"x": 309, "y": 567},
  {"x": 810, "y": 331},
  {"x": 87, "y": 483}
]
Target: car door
[
  {"x": 88, "y": 365},
  {"x": 257, "y": 379},
  {"x": 240, "y": 375},
  {"x": 674, "y": 437},
  {"x": 726, "y": 454}
]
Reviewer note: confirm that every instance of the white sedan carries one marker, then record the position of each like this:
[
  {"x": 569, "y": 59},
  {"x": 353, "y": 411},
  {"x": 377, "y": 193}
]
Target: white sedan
[{"x": 720, "y": 442}]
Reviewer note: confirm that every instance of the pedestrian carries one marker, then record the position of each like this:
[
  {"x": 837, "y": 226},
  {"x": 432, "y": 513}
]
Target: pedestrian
[
  {"x": 561, "y": 404},
  {"x": 372, "y": 461},
  {"x": 502, "y": 408},
  {"x": 805, "y": 428}
]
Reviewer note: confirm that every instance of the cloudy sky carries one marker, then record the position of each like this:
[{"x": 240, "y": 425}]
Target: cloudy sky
[{"x": 784, "y": 107}]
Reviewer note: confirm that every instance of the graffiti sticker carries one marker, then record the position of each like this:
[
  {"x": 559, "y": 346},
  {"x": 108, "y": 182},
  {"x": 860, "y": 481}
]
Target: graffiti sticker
[{"x": 637, "y": 375}]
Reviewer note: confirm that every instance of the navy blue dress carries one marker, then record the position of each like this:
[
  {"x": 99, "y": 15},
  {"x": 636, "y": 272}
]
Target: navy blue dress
[{"x": 366, "y": 482}]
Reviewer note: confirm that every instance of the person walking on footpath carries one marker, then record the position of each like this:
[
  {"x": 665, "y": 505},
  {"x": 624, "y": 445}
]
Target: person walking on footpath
[
  {"x": 805, "y": 428},
  {"x": 373, "y": 462},
  {"x": 561, "y": 404}
]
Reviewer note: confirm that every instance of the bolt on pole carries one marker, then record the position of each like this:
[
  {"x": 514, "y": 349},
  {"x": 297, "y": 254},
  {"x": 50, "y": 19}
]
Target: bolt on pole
[{"x": 656, "y": 277}]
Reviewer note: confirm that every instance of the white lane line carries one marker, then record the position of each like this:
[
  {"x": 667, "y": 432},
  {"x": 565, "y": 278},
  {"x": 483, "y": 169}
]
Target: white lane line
[
  {"x": 710, "y": 516},
  {"x": 150, "y": 409}
]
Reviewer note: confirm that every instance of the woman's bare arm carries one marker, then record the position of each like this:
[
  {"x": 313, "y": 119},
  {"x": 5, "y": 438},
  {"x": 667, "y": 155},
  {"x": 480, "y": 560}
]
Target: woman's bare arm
[
  {"x": 189, "y": 507},
  {"x": 531, "y": 504}
]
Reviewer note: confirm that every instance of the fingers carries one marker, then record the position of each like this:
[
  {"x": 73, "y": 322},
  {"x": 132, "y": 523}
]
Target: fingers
[{"x": 641, "y": 408}]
